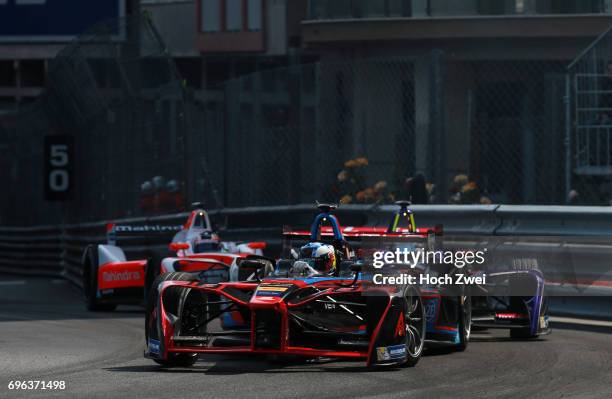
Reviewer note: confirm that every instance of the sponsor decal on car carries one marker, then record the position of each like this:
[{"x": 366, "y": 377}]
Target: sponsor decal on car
[
  {"x": 430, "y": 310},
  {"x": 146, "y": 228},
  {"x": 121, "y": 276},
  {"x": 272, "y": 290},
  {"x": 397, "y": 351},
  {"x": 153, "y": 346},
  {"x": 384, "y": 353},
  {"x": 352, "y": 342}
]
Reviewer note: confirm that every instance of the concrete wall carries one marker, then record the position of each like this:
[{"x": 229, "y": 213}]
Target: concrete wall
[{"x": 454, "y": 7}]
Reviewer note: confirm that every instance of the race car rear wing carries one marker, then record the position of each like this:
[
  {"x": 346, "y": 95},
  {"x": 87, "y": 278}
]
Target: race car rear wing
[
  {"x": 115, "y": 231},
  {"x": 353, "y": 232},
  {"x": 326, "y": 227},
  {"x": 197, "y": 220}
]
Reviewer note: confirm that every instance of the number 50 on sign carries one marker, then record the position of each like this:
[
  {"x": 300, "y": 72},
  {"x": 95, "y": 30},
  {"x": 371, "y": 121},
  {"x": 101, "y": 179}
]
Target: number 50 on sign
[{"x": 59, "y": 153}]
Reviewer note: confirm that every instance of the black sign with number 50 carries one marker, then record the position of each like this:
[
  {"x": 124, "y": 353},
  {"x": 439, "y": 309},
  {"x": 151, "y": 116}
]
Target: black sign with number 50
[{"x": 59, "y": 152}]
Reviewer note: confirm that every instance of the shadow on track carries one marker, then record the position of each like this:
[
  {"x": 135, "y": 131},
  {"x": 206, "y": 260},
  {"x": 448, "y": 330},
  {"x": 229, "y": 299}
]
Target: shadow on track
[
  {"x": 26, "y": 299},
  {"x": 581, "y": 327},
  {"x": 240, "y": 364}
]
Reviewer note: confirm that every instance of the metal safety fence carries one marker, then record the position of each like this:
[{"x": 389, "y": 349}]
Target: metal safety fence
[{"x": 571, "y": 245}]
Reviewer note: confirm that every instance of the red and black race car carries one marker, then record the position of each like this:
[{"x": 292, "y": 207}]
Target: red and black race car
[
  {"x": 110, "y": 279},
  {"x": 300, "y": 311}
]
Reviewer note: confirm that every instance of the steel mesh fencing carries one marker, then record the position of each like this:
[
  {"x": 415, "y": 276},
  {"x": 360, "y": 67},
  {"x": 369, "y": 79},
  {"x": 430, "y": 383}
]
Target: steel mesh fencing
[
  {"x": 589, "y": 109},
  {"x": 507, "y": 123},
  {"x": 117, "y": 92},
  {"x": 431, "y": 129},
  {"x": 283, "y": 136}
]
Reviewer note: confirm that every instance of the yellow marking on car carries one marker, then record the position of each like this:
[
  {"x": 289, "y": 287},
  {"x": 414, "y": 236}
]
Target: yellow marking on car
[{"x": 278, "y": 289}]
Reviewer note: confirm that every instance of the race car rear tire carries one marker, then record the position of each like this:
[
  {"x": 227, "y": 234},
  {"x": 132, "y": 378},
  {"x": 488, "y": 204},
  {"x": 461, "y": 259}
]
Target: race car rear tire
[
  {"x": 517, "y": 304},
  {"x": 465, "y": 322},
  {"x": 90, "y": 282},
  {"x": 524, "y": 264},
  {"x": 415, "y": 326},
  {"x": 171, "y": 300}
]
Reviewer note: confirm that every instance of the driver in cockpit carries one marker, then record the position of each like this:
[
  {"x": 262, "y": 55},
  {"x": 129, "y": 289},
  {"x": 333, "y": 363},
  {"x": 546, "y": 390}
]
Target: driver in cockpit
[{"x": 315, "y": 258}]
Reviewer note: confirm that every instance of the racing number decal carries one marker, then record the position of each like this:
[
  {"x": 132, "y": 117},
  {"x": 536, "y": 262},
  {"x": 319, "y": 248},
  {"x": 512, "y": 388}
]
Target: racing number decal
[
  {"x": 59, "y": 180},
  {"x": 58, "y": 167}
]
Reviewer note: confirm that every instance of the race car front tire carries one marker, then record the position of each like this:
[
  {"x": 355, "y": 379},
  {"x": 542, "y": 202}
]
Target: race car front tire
[
  {"x": 90, "y": 281},
  {"x": 465, "y": 322},
  {"x": 414, "y": 317},
  {"x": 171, "y": 300}
]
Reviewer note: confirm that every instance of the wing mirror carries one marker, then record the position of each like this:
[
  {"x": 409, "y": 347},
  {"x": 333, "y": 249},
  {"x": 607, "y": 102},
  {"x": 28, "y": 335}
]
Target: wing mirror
[
  {"x": 356, "y": 269},
  {"x": 248, "y": 268},
  {"x": 257, "y": 245},
  {"x": 251, "y": 264},
  {"x": 178, "y": 246}
]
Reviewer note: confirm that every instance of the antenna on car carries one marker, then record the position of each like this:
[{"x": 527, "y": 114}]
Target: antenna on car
[
  {"x": 197, "y": 205},
  {"x": 403, "y": 204},
  {"x": 326, "y": 208},
  {"x": 404, "y": 212}
]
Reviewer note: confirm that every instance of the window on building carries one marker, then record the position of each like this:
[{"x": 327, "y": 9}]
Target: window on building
[
  {"x": 339, "y": 8},
  {"x": 254, "y": 17},
  {"x": 399, "y": 8},
  {"x": 570, "y": 6},
  {"x": 501, "y": 7},
  {"x": 370, "y": 8},
  {"x": 7, "y": 73},
  {"x": 233, "y": 15},
  {"x": 211, "y": 15}
]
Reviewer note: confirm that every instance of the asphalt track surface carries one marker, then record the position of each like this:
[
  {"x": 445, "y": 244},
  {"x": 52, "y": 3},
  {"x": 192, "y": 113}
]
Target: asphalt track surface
[{"x": 45, "y": 334}]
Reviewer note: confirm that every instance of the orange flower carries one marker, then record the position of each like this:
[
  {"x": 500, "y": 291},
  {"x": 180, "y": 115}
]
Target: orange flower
[
  {"x": 460, "y": 180},
  {"x": 471, "y": 186},
  {"x": 360, "y": 196},
  {"x": 351, "y": 163},
  {"x": 369, "y": 194},
  {"x": 485, "y": 201},
  {"x": 380, "y": 186},
  {"x": 347, "y": 199},
  {"x": 362, "y": 161}
]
